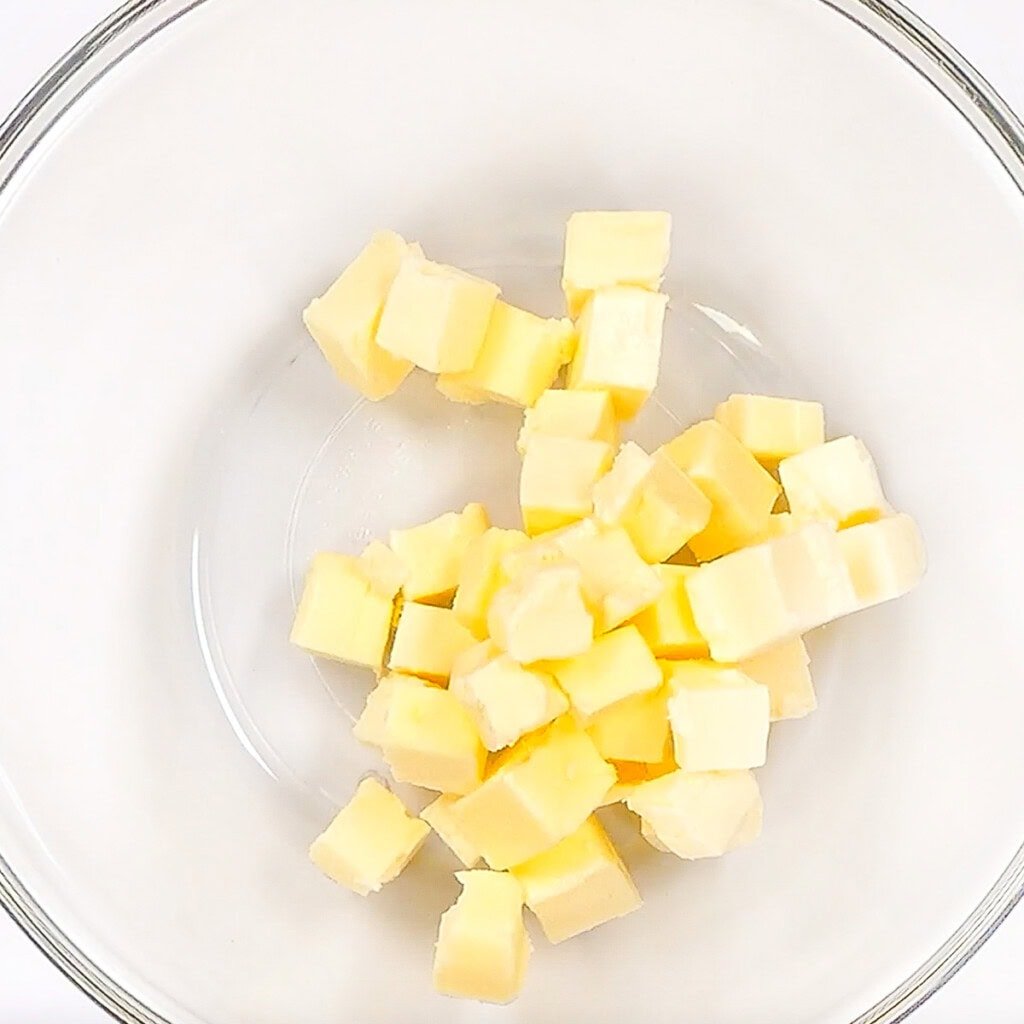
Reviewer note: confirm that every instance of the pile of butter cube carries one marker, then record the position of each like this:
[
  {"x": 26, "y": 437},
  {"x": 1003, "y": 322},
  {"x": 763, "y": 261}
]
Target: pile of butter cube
[{"x": 631, "y": 644}]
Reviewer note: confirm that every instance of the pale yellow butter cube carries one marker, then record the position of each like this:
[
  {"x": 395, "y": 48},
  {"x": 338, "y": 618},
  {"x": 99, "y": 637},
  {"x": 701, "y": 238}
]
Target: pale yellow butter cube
[
  {"x": 698, "y": 814},
  {"x": 719, "y": 717},
  {"x": 370, "y": 841},
  {"x": 886, "y": 559},
  {"x": 520, "y": 356},
  {"x": 667, "y": 625},
  {"x": 634, "y": 729},
  {"x": 427, "y": 641},
  {"x": 578, "y": 884},
  {"x": 772, "y": 428},
  {"x": 836, "y": 481},
  {"x": 586, "y": 415},
  {"x": 604, "y": 248},
  {"x": 619, "y": 346},
  {"x": 482, "y": 947},
  {"x": 556, "y": 486},
  {"x": 436, "y": 316},
  {"x": 438, "y": 815},
  {"x": 785, "y": 670},
  {"x": 741, "y": 491},
  {"x": 369, "y": 727},
  {"x": 383, "y": 568},
  {"x": 481, "y": 576},
  {"x": 547, "y": 549},
  {"x": 343, "y": 321}
]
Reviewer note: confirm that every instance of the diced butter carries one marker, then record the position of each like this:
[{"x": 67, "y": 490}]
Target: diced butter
[
  {"x": 427, "y": 641},
  {"x": 369, "y": 727},
  {"x": 886, "y": 558},
  {"x": 772, "y": 428},
  {"x": 785, "y": 670},
  {"x": 370, "y": 841},
  {"x": 436, "y": 316},
  {"x": 585, "y": 415},
  {"x": 343, "y": 321},
  {"x": 634, "y": 729},
  {"x": 383, "y": 568},
  {"x": 667, "y": 625},
  {"x": 547, "y": 549},
  {"x": 438, "y": 815},
  {"x": 779, "y": 525},
  {"x": 482, "y": 946},
  {"x": 556, "y": 486},
  {"x": 578, "y": 884},
  {"x": 481, "y": 576}
]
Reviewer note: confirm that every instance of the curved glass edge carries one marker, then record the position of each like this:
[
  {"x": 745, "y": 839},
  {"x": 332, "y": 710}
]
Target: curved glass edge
[{"x": 893, "y": 25}]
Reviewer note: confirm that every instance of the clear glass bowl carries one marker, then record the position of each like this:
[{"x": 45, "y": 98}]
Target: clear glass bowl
[{"x": 847, "y": 195}]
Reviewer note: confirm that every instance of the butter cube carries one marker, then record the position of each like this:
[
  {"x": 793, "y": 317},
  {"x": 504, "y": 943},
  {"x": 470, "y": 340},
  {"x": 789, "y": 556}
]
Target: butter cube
[
  {"x": 520, "y": 357},
  {"x": 785, "y": 671},
  {"x": 504, "y": 699},
  {"x": 342, "y": 614},
  {"x": 436, "y": 316},
  {"x": 370, "y": 841},
  {"x": 836, "y": 481},
  {"x": 698, "y": 814},
  {"x": 427, "y": 641},
  {"x": 482, "y": 946},
  {"x": 536, "y": 796},
  {"x": 547, "y": 549},
  {"x": 719, "y": 717},
  {"x": 343, "y": 321},
  {"x": 618, "y": 665},
  {"x": 542, "y": 615},
  {"x": 653, "y": 500},
  {"x": 619, "y": 346},
  {"x": 433, "y": 553},
  {"x": 369, "y": 727},
  {"x": 635, "y": 729},
  {"x": 741, "y": 491},
  {"x": 481, "y": 576},
  {"x": 431, "y": 741},
  {"x": 383, "y": 568},
  {"x": 438, "y": 815},
  {"x": 585, "y": 415},
  {"x": 772, "y": 428},
  {"x": 667, "y": 625},
  {"x": 604, "y": 248},
  {"x": 556, "y": 486},
  {"x": 886, "y": 558},
  {"x": 578, "y": 884}
]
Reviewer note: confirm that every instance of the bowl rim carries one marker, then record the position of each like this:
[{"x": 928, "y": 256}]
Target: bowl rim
[{"x": 891, "y": 24}]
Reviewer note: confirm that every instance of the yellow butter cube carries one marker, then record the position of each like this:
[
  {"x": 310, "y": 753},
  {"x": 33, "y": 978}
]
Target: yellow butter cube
[
  {"x": 369, "y": 727},
  {"x": 619, "y": 346},
  {"x": 886, "y": 558},
  {"x": 431, "y": 741},
  {"x": 719, "y": 717},
  {"x": 482, "y": 947},
  {"x": 342, "y": 614},
  {"x": 653, "y": 500},
  {"x": 438, "y": 815},
  {"x": 370, "y": 841},
  {"x": 698, "y": 814},
  {"x": 436, "y": 316},
  {"x": 520, "y": 356},
  {"x": 836, "y": 481},
  {"x": 536, "y": 797},
  {"x": 504, "y": 699},
  {"x": 785, "y": 670},
  {"x": 634, "y": 729},
  {"x": 427, "y": 641},
  {"x": 667, "y": 625},
  {"x": 585, "y": 415},
  {"x": 741, "y": 491},
  {"x": 578, "y": 884},
  {"x": 556, "y": 486},
  {"x": 385, "y": 570},
  {"x": 604, "y": 248},
  {"x": 343, "y": 321},
  {"x": 542, "y": 614},
  {"x": 772, "y": 428},
  {"x": 433, "y": 553},
  {"x": 618, "y": 665},
  {"x": 481, "y": 576},
  {"x": 547, "y": 549}
]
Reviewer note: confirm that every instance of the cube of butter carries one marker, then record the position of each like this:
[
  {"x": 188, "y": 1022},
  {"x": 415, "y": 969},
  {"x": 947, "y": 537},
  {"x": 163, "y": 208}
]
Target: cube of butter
[
  {"x": 785, "y": 670},
  {"x": 343, "y": 321},
  {"x": 430, "y": 740},
  {"x": 619, "y": 346},
  {"x": 772, "y": 428},
  {"x": 369, "y": 727},
  {"x": 482, "y": 946},
  {"x": 438, "y": 815},
  {"x": 481, "y": 576},
  {"x": 556, "y": 486},
  {"x": 886, "y": 558},
  {"x": 652, "y": 500},
  {"x": 342, "y": 614},
  {"x": 719, "y": 717},
  {"x": 578, "y": 884},
  {"x": 741, "y": 491},
  {"x": 427, "y": 640},
  {"x": 433, "y": 553},
  {"x": 385, "y": 570},
  {"x": 370, "y": 841},
  {"x": 667, "y": 625},
  {"x": 547, "y": 549},
  {"x": 604, "y": 248},
  {"x": 436, "y": 316},
  {"x": 586, "y": 415},
  {"x": 698, "y": 814},
  {"x": 520, "y": 356},
  {"x": 634, "y": 729},
  {"x": 536, "y": 797},
  {"x": 836, "y": 481}
]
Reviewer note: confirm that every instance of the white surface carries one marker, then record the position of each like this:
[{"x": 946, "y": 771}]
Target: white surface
[{"x": 989, "y": 988}]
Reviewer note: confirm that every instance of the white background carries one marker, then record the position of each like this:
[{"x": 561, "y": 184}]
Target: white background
[{"x": 33, "y": 33}]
